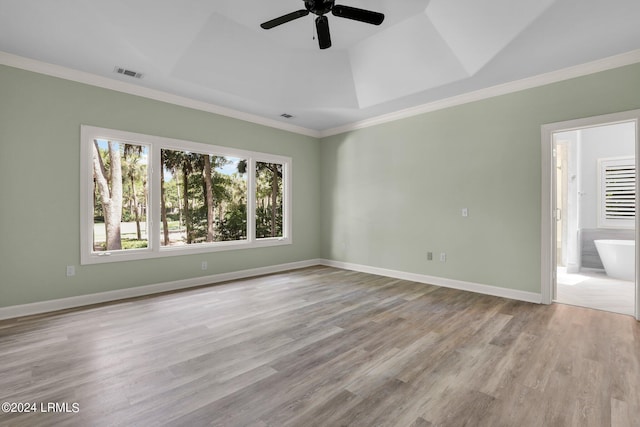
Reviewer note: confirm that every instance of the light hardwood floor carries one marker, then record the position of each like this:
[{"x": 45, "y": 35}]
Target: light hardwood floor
[{"x": 324, "y": 347}]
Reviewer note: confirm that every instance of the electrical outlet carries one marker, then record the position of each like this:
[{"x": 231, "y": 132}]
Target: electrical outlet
[
  {"x": 429, "y": 256},
  {"x": 443, "y": 257},
  {"x": 71, "y": 270},
  {"x": 204, "y": 265}
]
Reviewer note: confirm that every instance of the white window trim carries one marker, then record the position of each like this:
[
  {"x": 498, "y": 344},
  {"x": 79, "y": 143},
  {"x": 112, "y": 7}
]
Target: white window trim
[
  {"x": 602, "y": 220},
  {"x": 154, "y": 249}
]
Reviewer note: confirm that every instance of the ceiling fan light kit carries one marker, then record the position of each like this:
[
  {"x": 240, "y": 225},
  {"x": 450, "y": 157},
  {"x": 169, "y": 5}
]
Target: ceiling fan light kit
[{"x": 321, "y": 8}]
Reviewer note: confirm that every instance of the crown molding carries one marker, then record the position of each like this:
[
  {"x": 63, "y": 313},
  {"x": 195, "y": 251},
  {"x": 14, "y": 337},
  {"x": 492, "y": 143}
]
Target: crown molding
[
  {"x": 604, "y": 64},
  {"x": 53, "y": 70}
]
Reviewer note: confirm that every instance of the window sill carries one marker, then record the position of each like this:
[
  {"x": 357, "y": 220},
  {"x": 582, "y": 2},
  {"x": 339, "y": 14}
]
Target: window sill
[{"x": 163, "y": 252}]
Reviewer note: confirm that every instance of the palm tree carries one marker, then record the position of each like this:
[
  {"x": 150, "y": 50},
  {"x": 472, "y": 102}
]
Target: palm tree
[
  {"x": 163, "y": 202},
  {"x": 182, "y": 162},
  {"x": 136, "y": 172},
  {"x": 272, "y": 172}
]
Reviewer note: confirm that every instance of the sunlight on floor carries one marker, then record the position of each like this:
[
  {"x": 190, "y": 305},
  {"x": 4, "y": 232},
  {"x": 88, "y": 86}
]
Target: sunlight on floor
[
  {"x": 567, "y": 279},
  {"x": 594, "y": 289}
]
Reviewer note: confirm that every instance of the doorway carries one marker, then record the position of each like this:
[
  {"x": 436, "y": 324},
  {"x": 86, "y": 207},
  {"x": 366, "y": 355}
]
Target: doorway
[
  {"x": 595, "y": 203},
  {"x": 589, "y": 223}
]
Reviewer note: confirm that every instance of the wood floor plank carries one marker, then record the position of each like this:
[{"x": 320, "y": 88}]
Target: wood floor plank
[
  {"x": 326, "y": 413},
  {"x": 322, "y": 346}
]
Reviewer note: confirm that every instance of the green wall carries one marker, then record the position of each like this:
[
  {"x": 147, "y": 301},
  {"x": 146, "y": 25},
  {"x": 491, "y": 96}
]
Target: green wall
[
  {"x": 40, "y": 120},
  {"x": 392, "y": 192},
  {"x": 381, "y": 196}
]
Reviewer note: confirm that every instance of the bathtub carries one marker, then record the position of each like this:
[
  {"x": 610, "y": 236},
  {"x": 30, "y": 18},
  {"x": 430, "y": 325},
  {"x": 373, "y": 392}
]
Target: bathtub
[{"x": 618, "y": 257}]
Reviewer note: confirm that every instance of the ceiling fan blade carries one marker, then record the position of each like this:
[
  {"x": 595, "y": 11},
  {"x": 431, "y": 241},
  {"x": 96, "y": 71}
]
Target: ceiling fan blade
[
  {"x": 322, "y": 27},
  {"x": 284, "y": 19},
  {"x": 356, "y": 14}
]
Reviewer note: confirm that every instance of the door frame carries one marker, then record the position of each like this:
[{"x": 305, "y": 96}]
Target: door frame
[{"x": 548, "y": 192}]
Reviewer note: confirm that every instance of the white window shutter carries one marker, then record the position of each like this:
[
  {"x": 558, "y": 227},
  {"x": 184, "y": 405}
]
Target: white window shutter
[{"x": 617, "y": 192}]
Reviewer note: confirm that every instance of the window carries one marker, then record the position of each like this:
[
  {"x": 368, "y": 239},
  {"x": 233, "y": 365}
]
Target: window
[
  {"x": 145, "y": 196},
  {"x": 119, "y": 193},
  {"x": 203, "y": 198},
  {"x": 269, "y": 194},
  {"x": 617, "y": 201}
]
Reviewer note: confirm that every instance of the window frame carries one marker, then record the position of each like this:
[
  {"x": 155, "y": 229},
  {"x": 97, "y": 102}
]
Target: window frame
[{"x": 154, "y": 249}]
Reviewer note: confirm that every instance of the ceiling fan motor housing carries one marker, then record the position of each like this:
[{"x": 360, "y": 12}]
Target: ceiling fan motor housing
[{"x": 319, "y": 7}]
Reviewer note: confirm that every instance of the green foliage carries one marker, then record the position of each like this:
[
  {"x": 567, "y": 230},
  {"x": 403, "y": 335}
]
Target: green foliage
[
  {"x": 189, "y": 187},
  {"x": 132, "y": 167},
  {"x": 134, "y": 177},
  {"x": 126, "y": 244},
  {"x": 234, "y": 224},
  {"x": 133, "y": 244},
  {"x": 264, "y": 224},
  {"x": 228, "y": 194},
  {"x": 269, "y": 191}
]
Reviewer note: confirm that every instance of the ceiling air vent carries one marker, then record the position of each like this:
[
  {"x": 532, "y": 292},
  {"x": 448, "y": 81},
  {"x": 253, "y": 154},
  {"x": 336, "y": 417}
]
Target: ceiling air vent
[
  {"x": 126, "y": 72},
  {"x": 286, "y": 116}
]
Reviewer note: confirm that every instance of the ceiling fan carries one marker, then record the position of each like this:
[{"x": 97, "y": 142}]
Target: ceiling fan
[{"x": 320, "y": 8}]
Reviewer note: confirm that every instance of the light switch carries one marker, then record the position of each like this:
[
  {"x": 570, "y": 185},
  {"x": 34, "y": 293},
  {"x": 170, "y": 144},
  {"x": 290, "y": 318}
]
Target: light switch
[{"x": 465, "y": 212}]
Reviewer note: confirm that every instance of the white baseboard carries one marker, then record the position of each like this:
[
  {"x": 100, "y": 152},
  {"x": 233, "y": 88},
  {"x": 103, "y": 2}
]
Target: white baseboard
[
  {"x": 82, "y": 300},
  {"x": 440, "y": 281}
]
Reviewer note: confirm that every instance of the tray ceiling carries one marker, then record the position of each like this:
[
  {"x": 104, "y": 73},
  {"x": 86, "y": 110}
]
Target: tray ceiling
[{"x": 215, "y": 52}]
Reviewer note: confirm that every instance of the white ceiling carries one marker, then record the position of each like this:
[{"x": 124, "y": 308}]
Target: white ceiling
[{"x": 214, "y": 51}]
